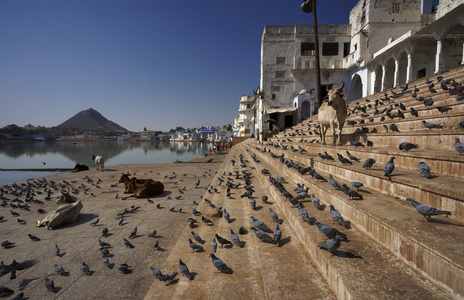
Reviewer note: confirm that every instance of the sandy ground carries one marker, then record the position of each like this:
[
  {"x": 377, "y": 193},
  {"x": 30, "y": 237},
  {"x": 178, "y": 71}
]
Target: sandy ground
[{"x": 78, "y": 242}]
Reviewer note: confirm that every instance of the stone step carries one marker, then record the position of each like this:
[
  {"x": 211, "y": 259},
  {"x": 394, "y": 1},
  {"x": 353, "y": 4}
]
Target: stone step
[
  {"x": 432, "y": 248},
  {"x": 364, "y": 269},
  {"x": 430, "y": 140},
  {"x": 442, "y": 192},
  {"x": 261, "y": 271},
  {"x": 441, "y": 163}
]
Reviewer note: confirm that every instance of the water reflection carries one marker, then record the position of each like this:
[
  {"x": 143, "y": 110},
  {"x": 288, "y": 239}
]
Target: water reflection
[{"x": 61, "y": 154}]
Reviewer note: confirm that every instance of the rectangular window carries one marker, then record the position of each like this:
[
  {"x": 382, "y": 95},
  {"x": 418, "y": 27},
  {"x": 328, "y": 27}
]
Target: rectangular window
[
  {"x": 280, "y": 74},
  {"x": 329, "y": 49},
  {"x": 280, "y": 60},
  {"x": 276, "y": 88},
  {"x": 308, "y": 49},
  {"x": 346, "y": 49}
]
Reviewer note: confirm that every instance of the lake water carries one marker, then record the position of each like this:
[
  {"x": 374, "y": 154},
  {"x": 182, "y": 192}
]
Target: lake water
[{"x": 56, "y": 155}]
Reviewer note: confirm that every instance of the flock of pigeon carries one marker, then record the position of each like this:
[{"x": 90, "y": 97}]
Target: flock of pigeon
[
  {"x": 34, "y": 193},
  {"x": 259, "y": 228}
]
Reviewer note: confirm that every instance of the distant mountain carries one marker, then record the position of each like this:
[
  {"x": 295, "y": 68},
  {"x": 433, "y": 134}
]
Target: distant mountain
[{"x": 91, "y": 119}]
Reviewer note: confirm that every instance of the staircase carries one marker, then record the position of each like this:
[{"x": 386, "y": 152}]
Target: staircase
[
  {"x": 391, "y": 253},
  {"x": 432, "y": 249}
]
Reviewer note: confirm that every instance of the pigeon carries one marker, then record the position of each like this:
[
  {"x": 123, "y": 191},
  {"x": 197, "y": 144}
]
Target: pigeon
[
  {"x": 252, "y": 203},
  {"x": 259, "y": 224},
  {"x": 316, "y": 202},
  {"x": 274, "y": 216},
  {"x": 56, "y": 250},
  {"x": 389, "y": 166},
  {"x": 351, "y": 193},
  {"x": 104, "y": 232},
  {"x": 235, "y": 239},
  {"x": 105, "y": 252},
  {"x": 183, "y": 269},
  {"x": 85, "y": 269},
  {"x": 356, "y": 144},
  {"x": 242, "y": 230},
  {"x": 458, "y": 146},
  {"x": 156, "y": 272},
  {"x": 427, "y": 211},
  {"x": 369, "y": 143},
  {"x": 414, "y": 112},
  {"x": 330, "y": 245},
  {"x": 195, "y": 247},
  {"x": 19, "y": 296},
  {"x": 133, "y": 232},
  {"x": 368, "y": 163},
  {"x": 393, "y": 127},
  {"x": 337, "y": 217},
  {"x": 226, "y": 215},
  {"x": 5, "y": 292},
  {"x": 214, "y": 245},
  {"x": 124, "y": 268},
  {"x": 7, "y": 244},
  {"x": 152, "y": 233},
  {"x": 106, "y": 261},
  {"x": 33, "y": 237},
  {"x": 424, "y": 170},
  {"x": 222, "y": 241},
  {"x": 334, "y": 183},
  {"x": 58, "y": 269},
  {"x": 197, "y": 238},
  {"x": 264, "y": 198},
  {"x": 331, "y": 232},
  {"x": 277, "y": 235},
  {"x": 356, "y": 185},
  {"x": 127, "y": 243},
  {"x": 262, "y": 236},
  {"x": 206, "y": 221},
  {"x": 303, "y": 213},
  {"x": 443, "y": 109},
  {"x": 343, "y": 160},
  {"x": 220, "y": 265},
  {"x": 50, "y": 285},
  {"x": 431, "y": 125},
  {"x": 94, "y": 223},
  {"x": 120, "y": 221},
  {"x": 406, "y": 146},
  {"x": 352, "y": 157},
  {"x": 461, "y": 124}
]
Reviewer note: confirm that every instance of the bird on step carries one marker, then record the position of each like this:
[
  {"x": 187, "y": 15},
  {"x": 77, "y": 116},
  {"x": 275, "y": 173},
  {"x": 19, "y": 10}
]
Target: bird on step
[{"x": 427, "y": 211}]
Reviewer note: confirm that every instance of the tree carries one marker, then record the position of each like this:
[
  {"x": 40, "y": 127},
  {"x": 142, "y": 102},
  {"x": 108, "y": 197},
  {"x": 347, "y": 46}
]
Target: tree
[{"x": 229, "y": 127}]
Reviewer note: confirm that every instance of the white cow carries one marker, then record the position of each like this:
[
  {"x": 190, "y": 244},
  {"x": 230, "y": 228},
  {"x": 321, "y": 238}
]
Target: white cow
[{"x": 99, "y": 162}]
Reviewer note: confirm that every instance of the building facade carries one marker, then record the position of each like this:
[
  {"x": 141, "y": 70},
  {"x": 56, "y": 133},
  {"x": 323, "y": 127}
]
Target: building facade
[{"x": 387, "y": 44}]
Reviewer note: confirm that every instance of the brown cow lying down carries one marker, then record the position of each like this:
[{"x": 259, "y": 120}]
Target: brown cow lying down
[
  {"x": 147, "y": 189},
  {"x": 64, "y": 214}
]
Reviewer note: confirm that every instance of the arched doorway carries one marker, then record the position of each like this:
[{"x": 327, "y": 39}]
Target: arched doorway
[{"x": 356, "y": 88}]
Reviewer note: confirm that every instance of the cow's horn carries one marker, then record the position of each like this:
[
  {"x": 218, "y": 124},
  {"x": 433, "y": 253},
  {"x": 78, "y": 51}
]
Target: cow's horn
[
  {"x": 343, "y": 85},
  {"x": 329, "y": 87}
]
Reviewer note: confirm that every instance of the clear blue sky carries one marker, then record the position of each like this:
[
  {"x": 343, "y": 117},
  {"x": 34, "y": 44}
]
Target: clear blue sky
[{"x": 140, "y": 63}]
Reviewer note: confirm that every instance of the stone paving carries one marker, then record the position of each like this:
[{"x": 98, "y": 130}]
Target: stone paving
[{"x": 79, "y": 241}]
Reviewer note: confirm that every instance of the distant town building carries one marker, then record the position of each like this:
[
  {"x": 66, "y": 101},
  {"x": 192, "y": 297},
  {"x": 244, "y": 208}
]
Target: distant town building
[{"x": 244, "y": 124}]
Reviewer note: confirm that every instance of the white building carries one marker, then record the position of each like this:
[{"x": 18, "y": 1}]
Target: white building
[
  {"x": 244, "y": 124},
  {"x": 387, "y": 43}
]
